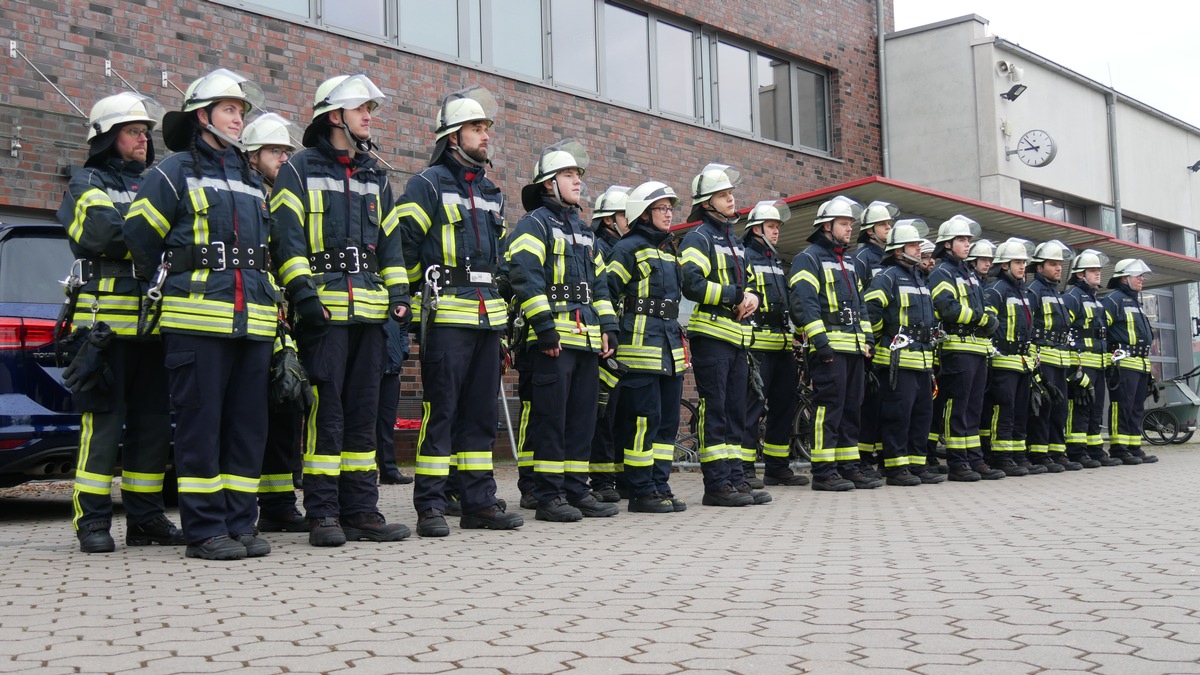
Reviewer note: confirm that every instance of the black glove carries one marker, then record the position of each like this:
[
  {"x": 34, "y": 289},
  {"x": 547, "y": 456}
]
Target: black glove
[
  {"x": 989, "y": 324},
  {"x": 1112, "y": 377},
  {"x": 825, "y": 353},
  {"x": 1085, "y": 396},
  {"x": 1038, "y": 396},
  {"x": 547, "y": 339},
  {"x": 290, "y": 389},
  {"x": 403, "y": 321},
  {"x": 89, "y": 369},
  {"x": 1152, "y": 389},
  {"x": 872, "y": 382},
  {"x": 1055, "y": 394},
  {"x": 504, "y": 288},
  {"x": 312, "y": 312},
  {"x": 739, "y": 297}
]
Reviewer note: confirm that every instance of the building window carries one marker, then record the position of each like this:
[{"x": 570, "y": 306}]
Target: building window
[
  {"x": 573, "y": 43},
  {"x": 618, "y": 52},
  {"x": 361, "y": 16},
  {"x": 1145, "y": 234},
  {"x": 1159, "y": 307},
  {"x": 675, "y": 61},
  {"x": 429, "y": 26},
  {"x": 1053, "y": 208}
]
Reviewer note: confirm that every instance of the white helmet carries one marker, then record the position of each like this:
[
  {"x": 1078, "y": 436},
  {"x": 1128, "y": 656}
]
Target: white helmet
[
  {"x": 611, "y": 202},
  {"x": 219, "y": 85},
  {"x": 1088, "y": 259},
  {"x": 906, "y": 232},
  {"x": 267, "y": 129},
  {"x": 927, "y": 247},
  {"x": 565, "y": 154},
  {"x": 1014, "y": 248},
  {"x": 876, "y": 212},
  {"x": 1128, "y": 267},
  {"x": 981, "y": 249},
  {"x": 343, "y": 92},
  {"x": 838, "y": 207},
  {"x": 116, "y": 111},
  {"x": 712, "y": 179},
  {"x": 1052, "y": 250},
  {"x": 646, "y": 194},
  {"x": 770, "y": 209},
  {"x": 472, "y": 104},
  {"x": 958, "y": 226}
]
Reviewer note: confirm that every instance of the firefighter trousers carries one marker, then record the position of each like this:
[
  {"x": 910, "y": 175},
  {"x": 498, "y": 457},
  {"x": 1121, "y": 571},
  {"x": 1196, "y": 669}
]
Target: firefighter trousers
[
  {"x": 1008, "y": 417},
  {"x": 344, "y": 364},
  {"x": 905, "y": 414},
  {"x": 385, "y": 422},
  {"x": 558, "y": 416},
  {"x": 219, "y": 393},
  {"x": 646, "y": 424},
  {"x": 838, "y": 388},
  {"x": 961, "y": 381},
  {"x": 1085, "y": 421},
  {"x": 604, "y": 462},
  {"x": 778, "y": 369},
  {"x": 461, "y": 371},
  {"x": 721, "y": 372},
  {"x": 1047, "y": 431},
  {"x": 136, "y": 429},
  {"x": 1125, "y": 413},
  {"x": 281, "y": 461}
]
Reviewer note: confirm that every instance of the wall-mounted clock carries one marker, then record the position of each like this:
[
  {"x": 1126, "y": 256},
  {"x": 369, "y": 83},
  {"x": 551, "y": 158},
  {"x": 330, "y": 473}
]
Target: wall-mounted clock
[{"x": 1035, "y": 148}]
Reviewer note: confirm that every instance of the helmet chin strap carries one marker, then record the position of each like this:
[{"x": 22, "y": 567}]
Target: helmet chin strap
[
  {"x": 763, "y": 236},
  {"x": 463, "y": 158},
  {"x": 361, "y": 144},
  {"x": 223, "y": 138}
]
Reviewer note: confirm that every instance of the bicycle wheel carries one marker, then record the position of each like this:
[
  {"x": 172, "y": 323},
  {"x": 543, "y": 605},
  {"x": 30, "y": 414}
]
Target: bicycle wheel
[
  {"x": 687, "y": 441},
  {"x": 1159, "y": 426},
  {"x": 802, "y": 430},
  {"x": 1184, "y": 437}
]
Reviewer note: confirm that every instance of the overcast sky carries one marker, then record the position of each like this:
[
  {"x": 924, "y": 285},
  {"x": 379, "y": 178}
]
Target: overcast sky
[{"x": 1143, "y": 49}]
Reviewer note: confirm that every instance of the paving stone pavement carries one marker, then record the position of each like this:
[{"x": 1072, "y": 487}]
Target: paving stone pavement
[{"x": 1094, "y": 571}]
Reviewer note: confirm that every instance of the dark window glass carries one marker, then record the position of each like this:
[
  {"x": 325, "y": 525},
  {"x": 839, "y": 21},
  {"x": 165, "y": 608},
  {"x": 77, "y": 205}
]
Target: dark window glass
[
  {"x": 626, "y": 56},
  {"x": 29, "y": 269},
  {"x": 676, "y": 70},
  {"x": 775, "y": 98}
]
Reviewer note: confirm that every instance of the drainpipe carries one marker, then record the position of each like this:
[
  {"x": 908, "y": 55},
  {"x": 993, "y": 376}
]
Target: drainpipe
[
  {"x": 1110, "y": 99},
  {"x": 883, "y": 106}
]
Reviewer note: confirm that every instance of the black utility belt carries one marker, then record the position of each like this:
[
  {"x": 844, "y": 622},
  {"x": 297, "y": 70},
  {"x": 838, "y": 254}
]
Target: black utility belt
[
  {"x": 846, "y": 317},
  {"x": 663, "y": 309},
  {"x": 1091, "y": 333},
  {"x": 348, "y": 260},
  {"x": 921, "y": 335},
  {"x": 964, "y": 330},
  {"x": 1012, "y": 348},
  {"x": 216, "y": 256},
  {"x": 580, "y": 292},
  {"x": 462, "y": 277},
  {"x": 771, "y": 318},
  {"x": 1058, "y": 337},
  {"x": 98, "y": 269},
  {"x": 715, "y": 311},
  {"x": 1135, "y": 350}
]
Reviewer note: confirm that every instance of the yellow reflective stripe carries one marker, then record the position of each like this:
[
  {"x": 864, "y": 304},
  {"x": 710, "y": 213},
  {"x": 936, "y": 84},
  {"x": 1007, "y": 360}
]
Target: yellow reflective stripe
[
  {"x": 146, "y": 210},
  {"x": 358, "y": 461},
  {"x": 322, "y": 465},
  {"x": 535, "y": 305},
  {"x": 474, "y": 461},
  {"x": 414, "y": 211},
  {"x": 449, "y": 246},
  {"x": 530, "y": 244},
  {"x": 93, "y": 197},
  {"x": 694, "y": 256},
  {"x": 390, "y": 222},
  {"x": 132, "y": 481},
  {"x": 287, "y": 199},
  {"x": 198, "y": 485},
  {"x": 662, "y": 452},
  {"x": 316, "y": 221},
  {"x": 524, "y": 455},
  {"x": 93, "y": 483},
  {"x": 293, "y": 268},
  {"x": 276, "y": 482}
]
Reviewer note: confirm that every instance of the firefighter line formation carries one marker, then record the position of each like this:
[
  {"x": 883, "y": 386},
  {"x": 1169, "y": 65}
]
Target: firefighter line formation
[{"x": 258, "y": 289}]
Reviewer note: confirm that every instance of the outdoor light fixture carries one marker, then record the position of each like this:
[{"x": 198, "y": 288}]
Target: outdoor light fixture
[{"x": 1014, "y": 92}]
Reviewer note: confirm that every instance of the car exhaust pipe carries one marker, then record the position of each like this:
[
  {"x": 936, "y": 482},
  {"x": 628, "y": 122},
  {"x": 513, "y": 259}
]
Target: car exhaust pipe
[
  {"x": 46, "y": 469},
  {"x": 66, "y": 468}
]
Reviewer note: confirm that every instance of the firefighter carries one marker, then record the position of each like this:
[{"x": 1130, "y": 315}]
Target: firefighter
[
  {"x": 1128, "y": 375},
  {"x": 105, "y": 292},
  {"x": 877, "y": 220},
  {"x": 1085, "y": 385},
  {"x": 643, "y": 277},
  {"x": 716, "y": 278},
  {"x": 268, "y": 145},
  {"x": 928, "y": 262},
  {"x": 1007, "y": 412},
  {"x": 554, "y": 270},
  {"x": 1051, "y": 336},
  {"x": 979, "y": 259},
  {"x": 339, "y": 256},
  {"x": 771, "y": 351},
  {"x": 608, "y": 226},
  {"x": 939, "y": 402},
  {"x": 958, "y": 302},
  {"x": 452, "y": 220},
  {"x": 827, "y": 308},
  {"x": 903, "y": 323},
  {"x": 202, "y": 214}
]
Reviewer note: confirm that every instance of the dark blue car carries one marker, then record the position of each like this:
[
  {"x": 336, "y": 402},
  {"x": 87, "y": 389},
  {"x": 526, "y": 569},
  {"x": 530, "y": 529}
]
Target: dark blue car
[{"x": 39, "y": 434}]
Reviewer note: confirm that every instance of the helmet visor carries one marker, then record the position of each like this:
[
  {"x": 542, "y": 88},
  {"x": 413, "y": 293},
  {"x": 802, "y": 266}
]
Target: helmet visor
[
  {"x": 352, "y": 92},
  {"x": 714, "y": 176},
  {"x": 476, "y": 93}
]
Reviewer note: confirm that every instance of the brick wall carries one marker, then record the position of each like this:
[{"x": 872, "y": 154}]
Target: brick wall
[{"x": 187, "y": 38}]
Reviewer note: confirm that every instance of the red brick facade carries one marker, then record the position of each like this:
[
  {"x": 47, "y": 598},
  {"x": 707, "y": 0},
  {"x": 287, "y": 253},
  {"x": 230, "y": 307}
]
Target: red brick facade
[{"x": 70, "y": 41}]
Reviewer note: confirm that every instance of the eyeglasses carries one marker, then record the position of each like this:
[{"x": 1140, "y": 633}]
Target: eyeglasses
[
  {"x": 276, "y": 151},
  {"x": 663, "y": 209},
  {"x": 136, "y": 132}
]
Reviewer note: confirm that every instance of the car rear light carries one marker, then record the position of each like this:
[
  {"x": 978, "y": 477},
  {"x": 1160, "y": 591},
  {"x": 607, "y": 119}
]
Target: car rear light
[
  {"x": 10, "y": 443},
  {"x": 21, "y": 333}
]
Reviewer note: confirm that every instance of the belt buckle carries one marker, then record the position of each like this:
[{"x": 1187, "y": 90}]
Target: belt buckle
[
  {"x": 1119, "y": 355},
  {"x": 353, "y": 250},
  {"x": 220, "y": 246},
  {"x": 587, "y": 291}
]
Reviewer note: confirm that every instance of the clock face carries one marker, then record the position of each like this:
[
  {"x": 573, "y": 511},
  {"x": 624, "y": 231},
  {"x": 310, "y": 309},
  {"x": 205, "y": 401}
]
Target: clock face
[{"x": 1036, "y": 148}]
